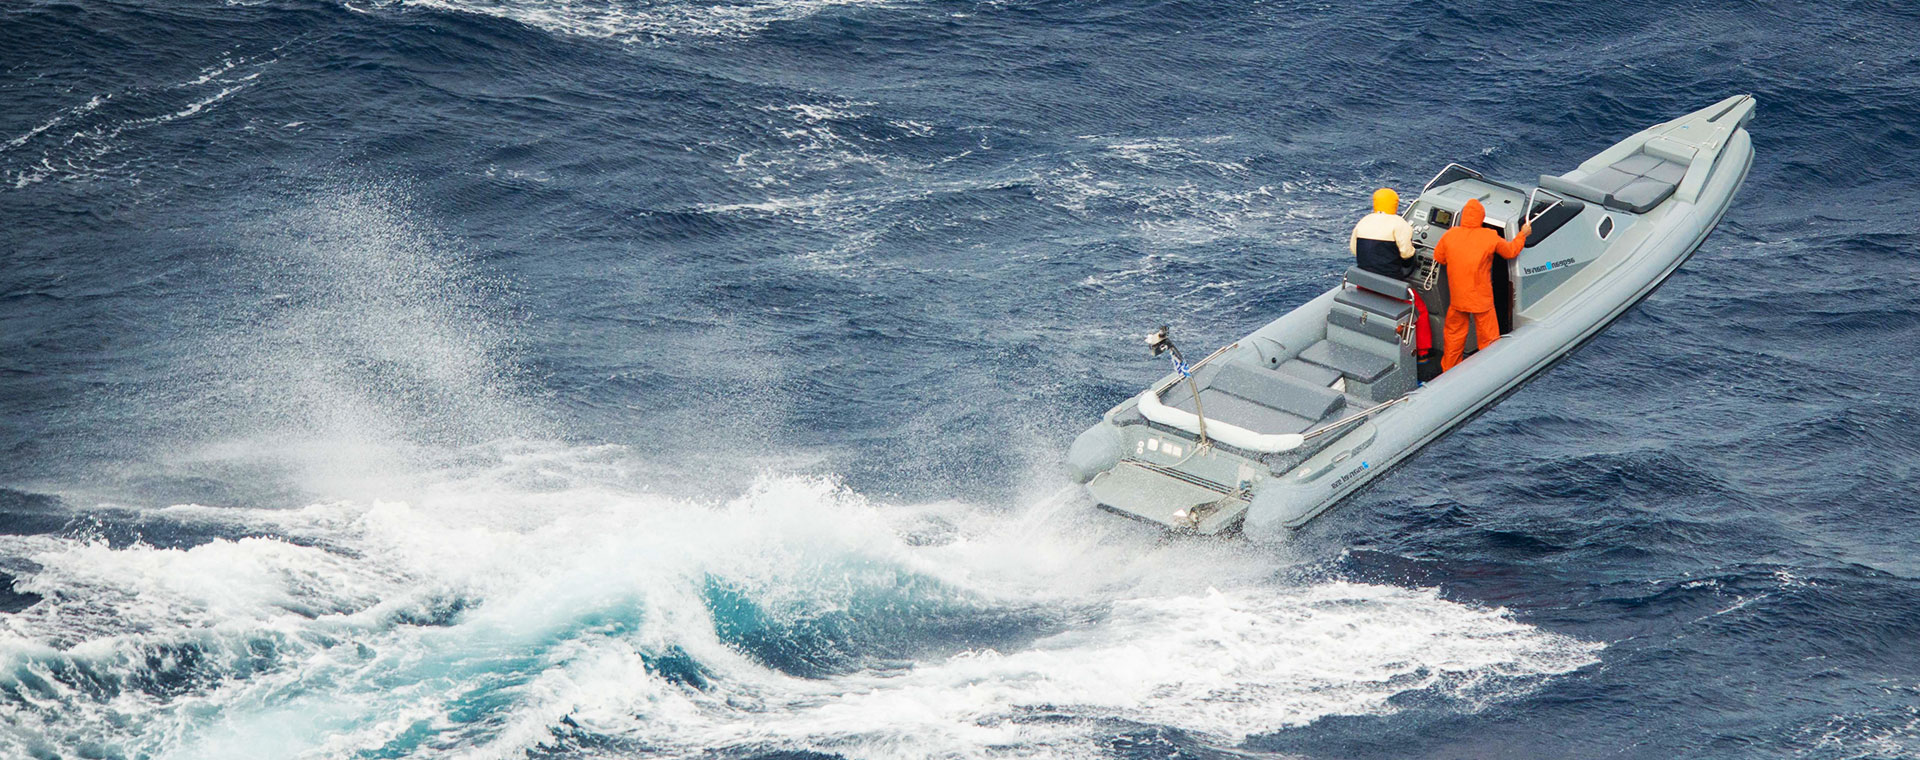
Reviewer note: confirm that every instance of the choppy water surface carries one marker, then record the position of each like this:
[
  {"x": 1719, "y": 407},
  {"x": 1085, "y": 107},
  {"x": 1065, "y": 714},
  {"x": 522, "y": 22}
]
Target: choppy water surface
[{"x": 571, "y": 379}]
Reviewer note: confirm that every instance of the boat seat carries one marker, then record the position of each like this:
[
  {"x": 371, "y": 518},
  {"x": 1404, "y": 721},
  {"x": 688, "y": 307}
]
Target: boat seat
[
  {"x": 1651, "y": 167},
  {"x": 1310, "y": 372},
  {"x": 1356, "y": 364},
  {"x": 1376, "y": 282},
  {"x": 1641, "y": 196},
  {"x": 1392, "y": 309},
  {"x": 1634, "y": 184},
  {"x": 1283, "y": 392},
  {"x": 1574, "y": 188},
  {"x": 1368, "y": 312},
  {"x": 1661, "y": 146},
  {"x": 1226, "y": 407},
  {"x": 1259, "y": 400}
]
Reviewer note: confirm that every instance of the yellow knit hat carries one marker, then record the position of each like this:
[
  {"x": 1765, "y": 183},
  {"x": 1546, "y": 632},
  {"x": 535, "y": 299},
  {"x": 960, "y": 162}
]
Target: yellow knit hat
[{"x": 1386, "y": 201}]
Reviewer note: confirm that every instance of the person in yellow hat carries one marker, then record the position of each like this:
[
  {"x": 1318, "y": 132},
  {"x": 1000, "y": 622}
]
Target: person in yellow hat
[{"x": 1383, "y": 242}]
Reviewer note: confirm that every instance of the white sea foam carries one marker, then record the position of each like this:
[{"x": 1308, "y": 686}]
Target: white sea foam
[
  {"x": 58, "y": 118},
  {"x": 78, "y": 143},
  {"x": 210, "y": 73},
  {"x": 644, "y": 20},
  {"x": 479, "y": 619},
  {"x": 1874, "y": 734},
  {"x": 195, "y": 107},
  {"x": 1210, "y": 197}
]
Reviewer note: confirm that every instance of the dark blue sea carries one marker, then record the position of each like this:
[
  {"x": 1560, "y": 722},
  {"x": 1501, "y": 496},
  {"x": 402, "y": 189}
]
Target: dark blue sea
[{"x": 691, "y": 379}]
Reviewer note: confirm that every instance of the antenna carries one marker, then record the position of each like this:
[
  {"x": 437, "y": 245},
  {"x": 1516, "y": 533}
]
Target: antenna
[{"x": 1160, "y": 343}]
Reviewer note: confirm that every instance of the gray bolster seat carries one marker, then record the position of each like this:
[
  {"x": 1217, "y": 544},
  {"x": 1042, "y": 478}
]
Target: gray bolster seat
[
  {"x": 1260, "y": 400},
  {"x": 1573, "y": 188},
  {"x": 1634, "y": 184},
  {"x": 1378, "y": 283}
]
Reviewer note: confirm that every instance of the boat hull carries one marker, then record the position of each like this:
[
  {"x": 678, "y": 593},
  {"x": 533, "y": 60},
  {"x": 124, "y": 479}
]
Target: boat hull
[
  {"x": 1155, "y": 473},
  {"x": 1454, "y": 398}
]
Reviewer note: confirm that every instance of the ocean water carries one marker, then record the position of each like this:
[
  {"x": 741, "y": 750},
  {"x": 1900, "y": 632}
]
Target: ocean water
[{"x": 661, "y": 378}]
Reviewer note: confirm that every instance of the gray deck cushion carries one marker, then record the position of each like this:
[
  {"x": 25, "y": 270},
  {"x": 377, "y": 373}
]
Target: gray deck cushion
[
  {"x": 1610, "y": 180},
  {"x": 1312, "y": 373},
  {"x": 1376, "y": 282},
  {"x": 1231, "y": 409},
  {"x": 1637, "y": 164},
  {"x": 1277, "y": 390},
  {"x": 1574, "y": 188},
  {"x": 1670, "y": 149},
  {"x": 1666, "y": 171},
  {"x": 1649, "y": 179},
  {"x": 1352, "y": 362},
  {"x": 1390, "y": 309},
  {"x": 1636, "y": 183},
  {"x": 1259, "y": 400},
  {"x": 1641, "y": 196}
]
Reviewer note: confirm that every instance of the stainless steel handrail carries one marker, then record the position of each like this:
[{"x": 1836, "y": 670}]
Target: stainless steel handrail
[
  {"x": 1362, "y": 414},
  {"x": 1196, "y": 366},
  {"x": 1449, "y": 167},
  {"x": 1557, "y": 200}
]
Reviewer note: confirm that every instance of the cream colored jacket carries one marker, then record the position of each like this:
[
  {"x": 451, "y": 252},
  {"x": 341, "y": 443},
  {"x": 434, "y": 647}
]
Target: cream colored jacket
[{"x": 1383, "y": 226}]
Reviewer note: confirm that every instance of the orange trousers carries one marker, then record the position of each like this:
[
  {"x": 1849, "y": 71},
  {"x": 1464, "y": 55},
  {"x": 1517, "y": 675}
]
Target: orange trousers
[{"x": 1487, "y": 324}]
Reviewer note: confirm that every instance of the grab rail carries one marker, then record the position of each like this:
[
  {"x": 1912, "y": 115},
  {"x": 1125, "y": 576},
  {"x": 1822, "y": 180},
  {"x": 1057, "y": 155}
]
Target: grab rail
[
  {"x": 1443, "y": 172},
  {"x": 1196, "y": 366},
  {"x": 1557, "y": 200},
  {"x": 1465, "y": 172}
]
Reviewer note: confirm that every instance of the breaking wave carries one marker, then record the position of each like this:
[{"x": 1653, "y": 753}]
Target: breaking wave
[{"x": 496, "y": 618}]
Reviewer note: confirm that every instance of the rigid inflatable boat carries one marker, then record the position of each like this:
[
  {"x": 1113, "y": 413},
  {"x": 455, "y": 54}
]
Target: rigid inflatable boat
[{"x": 1271, "y": 431}]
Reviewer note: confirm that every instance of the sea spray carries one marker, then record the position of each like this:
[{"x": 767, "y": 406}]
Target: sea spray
[{"x": 799, "y": 615}]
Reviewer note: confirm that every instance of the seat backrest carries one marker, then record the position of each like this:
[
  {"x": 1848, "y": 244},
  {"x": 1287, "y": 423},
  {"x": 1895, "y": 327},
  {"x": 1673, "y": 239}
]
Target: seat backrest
[
  {"x": 1573, "y": 188},
  {"x": 1671, "y": 150},
  {"x": 1376, "y": 282},
  {"x": 1638, "y": 182},
  {"x": 1275, "y": 390}
]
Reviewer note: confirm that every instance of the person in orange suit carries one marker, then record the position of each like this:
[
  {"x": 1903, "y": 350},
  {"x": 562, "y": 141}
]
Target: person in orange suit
[{"x": 1467, "y": 251}]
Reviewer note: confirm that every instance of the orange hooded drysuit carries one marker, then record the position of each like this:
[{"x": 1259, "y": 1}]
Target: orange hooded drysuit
[{"x": 1467, "y": 251}]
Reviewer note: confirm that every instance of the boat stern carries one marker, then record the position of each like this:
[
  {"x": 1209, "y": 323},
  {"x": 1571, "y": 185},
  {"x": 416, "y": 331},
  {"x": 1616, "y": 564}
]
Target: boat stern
[
  {"x": 1163, "y": 478},
  {"x": 1168, "y": 498}
]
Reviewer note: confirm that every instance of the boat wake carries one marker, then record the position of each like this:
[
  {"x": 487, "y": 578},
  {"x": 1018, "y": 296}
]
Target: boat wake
[{"x": 534, "y": 603}]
